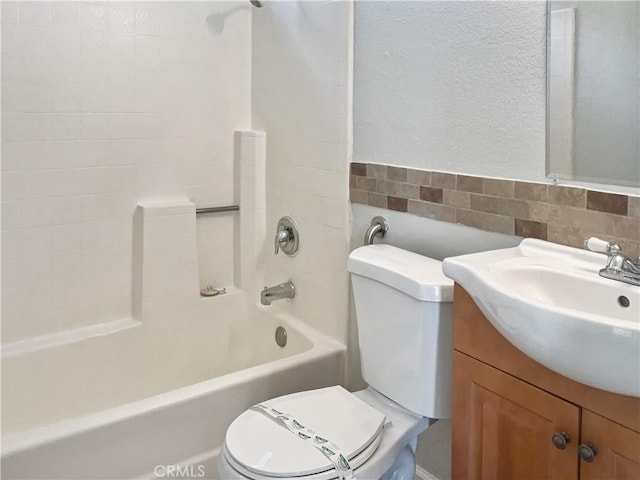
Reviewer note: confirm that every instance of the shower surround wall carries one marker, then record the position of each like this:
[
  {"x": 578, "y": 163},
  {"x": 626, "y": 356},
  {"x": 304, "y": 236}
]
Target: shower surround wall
[
  {"x": 301, "y": 74},
  {"x": 105, "y": 105}
]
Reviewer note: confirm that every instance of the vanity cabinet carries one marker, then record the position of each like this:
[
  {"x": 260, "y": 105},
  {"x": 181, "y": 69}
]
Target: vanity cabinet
[
  {"x": 503, "y": 426},
  {"x": 618, "y": 449},
  {"x": 515, "y": 419}
]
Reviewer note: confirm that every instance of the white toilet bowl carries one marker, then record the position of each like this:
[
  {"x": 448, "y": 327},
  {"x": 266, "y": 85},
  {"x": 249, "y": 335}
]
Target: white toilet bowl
[
  {"x": 375, "y": 434},
  {"x": 404, "y": 313}
]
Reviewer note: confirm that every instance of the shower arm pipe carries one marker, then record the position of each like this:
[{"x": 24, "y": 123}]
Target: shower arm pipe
[
  {"x": 378, "y": 227},
  {"x": 225, "y": 208}
]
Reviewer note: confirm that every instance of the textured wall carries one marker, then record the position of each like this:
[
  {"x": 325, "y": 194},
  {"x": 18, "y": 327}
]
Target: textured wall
[
  {"x": 105, "y": 105},
  {"x": 451, "y": 86},
  {"x": 301, "y": 98}
]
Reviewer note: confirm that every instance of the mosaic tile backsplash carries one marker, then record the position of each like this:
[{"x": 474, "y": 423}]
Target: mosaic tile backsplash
[{"x": 560, "y": 214}]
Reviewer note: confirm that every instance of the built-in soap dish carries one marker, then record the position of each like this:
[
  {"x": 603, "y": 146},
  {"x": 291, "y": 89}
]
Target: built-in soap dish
[{"x": 209, "y": 291}]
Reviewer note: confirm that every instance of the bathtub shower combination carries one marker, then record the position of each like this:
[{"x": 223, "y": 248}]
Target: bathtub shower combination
[
  {"x": 187, "y": 392},
  {"x": 151, "y": 396}
]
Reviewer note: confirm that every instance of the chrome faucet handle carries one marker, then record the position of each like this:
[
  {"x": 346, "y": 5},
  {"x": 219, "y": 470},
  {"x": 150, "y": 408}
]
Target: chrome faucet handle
[
  {"x": 601, "y": 246},
  {"x": 619, "y": 266},
  {"x": 282, "y": 237},
  {"x": 287, "y": 236}
]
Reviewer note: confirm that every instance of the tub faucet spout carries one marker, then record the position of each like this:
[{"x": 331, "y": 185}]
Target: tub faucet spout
[{"x": 283, "y": 290}]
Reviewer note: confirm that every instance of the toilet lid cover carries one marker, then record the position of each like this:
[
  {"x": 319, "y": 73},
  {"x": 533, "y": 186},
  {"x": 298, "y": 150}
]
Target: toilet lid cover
[{"x": 267, "y": 448}]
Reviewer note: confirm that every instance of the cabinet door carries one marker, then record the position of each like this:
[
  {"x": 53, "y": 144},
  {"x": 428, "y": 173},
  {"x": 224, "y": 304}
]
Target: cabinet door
[
  {"x": 503, "y": 427},
  {"x": 618, "y": 449}
]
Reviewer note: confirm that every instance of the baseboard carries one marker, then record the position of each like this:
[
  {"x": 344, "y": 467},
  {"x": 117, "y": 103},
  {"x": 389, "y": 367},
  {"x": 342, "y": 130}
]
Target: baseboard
[{"x": 422, "y": 474}]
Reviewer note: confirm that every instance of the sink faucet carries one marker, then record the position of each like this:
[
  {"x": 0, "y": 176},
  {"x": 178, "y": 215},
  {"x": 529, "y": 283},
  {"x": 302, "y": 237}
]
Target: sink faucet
[
  {"x": 283, "y": 290},
  {"x": 619, "y": 266}
]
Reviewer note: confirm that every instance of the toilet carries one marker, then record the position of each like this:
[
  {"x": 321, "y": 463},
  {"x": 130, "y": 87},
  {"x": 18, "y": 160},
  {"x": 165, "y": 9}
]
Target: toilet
[{"x": 404, "y": 315}]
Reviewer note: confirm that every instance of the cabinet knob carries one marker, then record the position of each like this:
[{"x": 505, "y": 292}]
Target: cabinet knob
[
  {"x": 587, "y": 452},
  {"x": 560, "y": 440}
]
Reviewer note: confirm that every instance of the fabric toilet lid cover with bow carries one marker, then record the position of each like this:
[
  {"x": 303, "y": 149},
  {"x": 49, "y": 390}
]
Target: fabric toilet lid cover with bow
[{"x": 265, "y": 447}]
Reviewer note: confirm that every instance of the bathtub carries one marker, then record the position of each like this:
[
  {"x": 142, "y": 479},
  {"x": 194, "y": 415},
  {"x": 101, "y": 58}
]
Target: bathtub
[{"x": 172, "y": 403}]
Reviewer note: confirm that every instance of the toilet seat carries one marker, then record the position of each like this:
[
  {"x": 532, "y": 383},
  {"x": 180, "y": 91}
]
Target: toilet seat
[
  {"x": 330, "y": 474},
  {"x": 259, "y": 447}
]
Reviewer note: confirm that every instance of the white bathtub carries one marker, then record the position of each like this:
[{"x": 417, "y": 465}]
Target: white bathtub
[{"x": 161, "y": 413}]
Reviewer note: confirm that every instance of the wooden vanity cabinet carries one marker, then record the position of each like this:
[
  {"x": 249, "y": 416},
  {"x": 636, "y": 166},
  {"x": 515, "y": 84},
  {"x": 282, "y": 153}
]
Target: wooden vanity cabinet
[
  {"x": 618, "y": 449},
  {"x": 502, "y": 426},
  {"x": 515, "y": 419}
]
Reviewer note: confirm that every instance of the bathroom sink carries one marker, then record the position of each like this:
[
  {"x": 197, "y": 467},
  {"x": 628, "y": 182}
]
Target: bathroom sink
[{"x": 549, "y": 302}]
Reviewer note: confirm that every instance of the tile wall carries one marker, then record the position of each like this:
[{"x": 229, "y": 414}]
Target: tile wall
[
  {"x": 560, "y": 214},
  {"x": 104, "y": 105},
  {"x": 301, "y": 98},
  {"x": 165, "y": 271}
]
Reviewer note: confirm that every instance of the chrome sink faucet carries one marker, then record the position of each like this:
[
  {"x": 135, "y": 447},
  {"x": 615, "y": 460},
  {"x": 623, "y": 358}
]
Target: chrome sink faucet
[
  {"x": 283, "y": 290},
  {"x": 619, "y": 266}
]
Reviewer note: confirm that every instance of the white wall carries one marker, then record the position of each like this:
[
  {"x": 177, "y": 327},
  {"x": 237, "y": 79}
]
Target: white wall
[
  {"x": 451, "y": 86},
  {"x": 302, "y": 98},
  {"x": 105, "y": 105}
]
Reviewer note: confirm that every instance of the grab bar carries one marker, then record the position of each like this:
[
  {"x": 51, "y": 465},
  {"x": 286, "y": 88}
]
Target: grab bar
[{"x": 226, "y": 208}]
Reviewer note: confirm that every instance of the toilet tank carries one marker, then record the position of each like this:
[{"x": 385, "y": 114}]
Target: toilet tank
[{"x": 404, "y": 313}]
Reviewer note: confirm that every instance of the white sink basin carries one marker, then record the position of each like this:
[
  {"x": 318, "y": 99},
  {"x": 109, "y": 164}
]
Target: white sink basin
[{"x": 549, "y": 302}]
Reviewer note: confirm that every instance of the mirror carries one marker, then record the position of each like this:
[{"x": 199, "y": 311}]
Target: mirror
[{"x": 593, "y": 91}]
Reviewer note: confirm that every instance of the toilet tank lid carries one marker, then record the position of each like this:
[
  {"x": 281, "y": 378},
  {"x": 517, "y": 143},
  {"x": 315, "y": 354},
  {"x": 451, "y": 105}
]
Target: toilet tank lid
[{"x": 416, "y": 275}]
